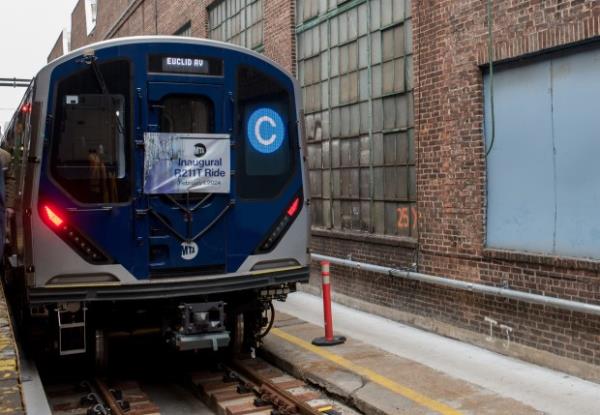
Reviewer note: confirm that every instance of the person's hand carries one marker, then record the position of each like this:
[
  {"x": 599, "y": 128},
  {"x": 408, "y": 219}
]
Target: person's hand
[{"x": 10, "y": 212}]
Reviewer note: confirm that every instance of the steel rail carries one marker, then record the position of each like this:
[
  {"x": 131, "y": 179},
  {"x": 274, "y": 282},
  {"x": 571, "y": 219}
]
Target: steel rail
[
  {"x": 109, "y": 398},
  {"x": 264, "y": 384},
  {"x": 545, "y": 300}
]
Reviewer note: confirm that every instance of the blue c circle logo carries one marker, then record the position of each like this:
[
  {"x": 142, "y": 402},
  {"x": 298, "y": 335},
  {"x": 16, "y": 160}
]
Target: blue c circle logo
[{"x": 266, "y": 131}]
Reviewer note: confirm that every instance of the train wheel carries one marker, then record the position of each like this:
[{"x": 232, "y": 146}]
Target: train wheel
[
  {"x": 267, "y": 320},
  {"x": 100, "y": 351},
  {"x": 237, "y": 335}
]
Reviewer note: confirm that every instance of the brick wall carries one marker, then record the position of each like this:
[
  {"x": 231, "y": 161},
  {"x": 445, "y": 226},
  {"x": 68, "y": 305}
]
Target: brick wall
[
  {"x": 78, "y": 28},
  {"x": 108, "y": 13},
  {"x": 119, "y": 18},
  {"x": 450, "y": 42},
  {"x": 57, "y": 49},
  {"x": 279, "y": 32}
]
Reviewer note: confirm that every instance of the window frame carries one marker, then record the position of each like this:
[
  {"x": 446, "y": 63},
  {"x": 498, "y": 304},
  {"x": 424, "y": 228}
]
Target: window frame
[
  {"x": 206, "y": 99},
  {"x": 128, "y": 129},
  {"x": 184, "y": 29},
  {"x": 91, "y": 16},
  {"x": 226, "y": 12},
  {"x": 328, "y": 59},
  {"x": 240, "y": 137}
]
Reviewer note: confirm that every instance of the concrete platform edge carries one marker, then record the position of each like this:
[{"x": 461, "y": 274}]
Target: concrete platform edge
[
  {"x": 529, "y": 354},
  {"x": 350, "y": 398},
  {"x": 32, "y": 389}
]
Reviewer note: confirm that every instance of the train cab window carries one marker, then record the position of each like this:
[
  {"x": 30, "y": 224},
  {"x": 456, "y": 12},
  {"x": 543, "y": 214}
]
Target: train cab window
[
  {"x": 266, "y": 139},
  {"x": 186, "y": 114},
  {"x": 89, "y": 149}
]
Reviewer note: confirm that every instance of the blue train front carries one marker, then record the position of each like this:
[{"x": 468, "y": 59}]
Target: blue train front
[{"x": 163, "y": 182}]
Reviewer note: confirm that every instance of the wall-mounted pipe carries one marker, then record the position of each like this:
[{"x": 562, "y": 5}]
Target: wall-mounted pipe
[{"x": 468, "y": 286}]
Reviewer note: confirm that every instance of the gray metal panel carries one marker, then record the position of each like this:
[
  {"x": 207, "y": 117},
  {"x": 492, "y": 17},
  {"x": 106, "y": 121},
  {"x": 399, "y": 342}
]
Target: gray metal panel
[
  {"x": 520, "y": 165},
  {"x": 543, "y": 188},
  {"x": 576, "y": 93}
]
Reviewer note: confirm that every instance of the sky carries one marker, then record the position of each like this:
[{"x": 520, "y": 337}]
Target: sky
[{"x": 28, "y": 30}]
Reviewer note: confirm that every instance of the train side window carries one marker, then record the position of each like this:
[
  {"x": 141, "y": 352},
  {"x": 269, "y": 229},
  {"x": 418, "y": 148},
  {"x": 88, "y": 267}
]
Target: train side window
[
  {"x": 266, "y": 133},
  {"x": 186, "y": 114},
  {"x": 89, "y": 150}
]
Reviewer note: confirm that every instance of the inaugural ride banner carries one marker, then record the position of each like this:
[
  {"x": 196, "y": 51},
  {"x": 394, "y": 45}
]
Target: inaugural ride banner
[{"x": 186, "y": 163}]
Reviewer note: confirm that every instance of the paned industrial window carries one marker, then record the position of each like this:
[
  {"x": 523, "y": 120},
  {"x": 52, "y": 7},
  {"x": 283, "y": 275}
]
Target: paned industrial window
[
  {"x": 355, "y": 67},
  {"x": 237, "y": 21},
  {"x": 185, "y": 30},
  {"x": 542, "y": 168},
  {"x": 91, "y": 11}
]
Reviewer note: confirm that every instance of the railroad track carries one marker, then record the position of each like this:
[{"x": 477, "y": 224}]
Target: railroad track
[
  {"x": 99, "y": 398},
  {"x": 238, "y": 387},
  {"x": 253, "y": 387}
]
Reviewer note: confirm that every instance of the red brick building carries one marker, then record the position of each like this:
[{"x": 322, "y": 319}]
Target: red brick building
[
  {"x": 399, "y": 104},
  {"x": 120, "y": 18}
]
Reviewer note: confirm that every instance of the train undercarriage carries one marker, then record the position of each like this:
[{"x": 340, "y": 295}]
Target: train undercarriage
[{"x": 234, "y": 322}]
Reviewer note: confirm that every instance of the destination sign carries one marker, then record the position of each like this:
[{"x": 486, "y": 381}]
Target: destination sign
[
  {"x": 192, "y": 65},
  {"x": 187, "y": 65}
]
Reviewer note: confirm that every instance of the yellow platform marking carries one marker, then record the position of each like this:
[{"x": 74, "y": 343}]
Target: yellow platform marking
[
  {"x": 369, "y": 374},
  {"x": 8, "y": 364}
]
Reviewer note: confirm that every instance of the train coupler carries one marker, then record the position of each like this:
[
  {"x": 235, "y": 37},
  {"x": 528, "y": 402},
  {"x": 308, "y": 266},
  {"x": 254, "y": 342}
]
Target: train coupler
[{"x": 201, "y": 326}]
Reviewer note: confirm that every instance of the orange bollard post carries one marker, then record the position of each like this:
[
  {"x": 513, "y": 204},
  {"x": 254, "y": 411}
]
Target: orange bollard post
[{"x": 329, "y": 339}]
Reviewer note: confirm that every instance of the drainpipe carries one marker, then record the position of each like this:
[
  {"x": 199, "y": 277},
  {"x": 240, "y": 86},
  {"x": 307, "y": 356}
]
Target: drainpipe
[{"x": 560, "y": 303}]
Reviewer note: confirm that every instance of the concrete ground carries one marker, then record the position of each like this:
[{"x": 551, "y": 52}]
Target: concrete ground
[{"x": 389, "y": 368}]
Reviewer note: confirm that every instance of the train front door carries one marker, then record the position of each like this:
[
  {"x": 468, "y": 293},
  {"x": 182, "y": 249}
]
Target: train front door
[{"x": 187, "y": 171}]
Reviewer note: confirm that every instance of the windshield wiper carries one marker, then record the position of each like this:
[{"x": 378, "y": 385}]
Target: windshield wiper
[
  {"x": 99, "y": 77},
  {"x": 91, "y": 60}
]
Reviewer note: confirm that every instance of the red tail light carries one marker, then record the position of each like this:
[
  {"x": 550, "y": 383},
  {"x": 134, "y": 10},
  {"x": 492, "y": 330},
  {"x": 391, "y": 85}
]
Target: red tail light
[
  {"x": 281, "y": 225},
  {"x": 293, "y": 207},
  {"x": 53, "y": 217},
  {"x": 72, "y": 236}
]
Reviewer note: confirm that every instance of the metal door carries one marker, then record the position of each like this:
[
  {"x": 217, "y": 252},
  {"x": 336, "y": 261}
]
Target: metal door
[{"x": 186, "y": 233}]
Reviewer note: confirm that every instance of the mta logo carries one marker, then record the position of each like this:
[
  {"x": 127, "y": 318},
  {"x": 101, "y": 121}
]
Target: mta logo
[
  {"x": 199, "y": 150},
  {"x": 189, "y": 250}
]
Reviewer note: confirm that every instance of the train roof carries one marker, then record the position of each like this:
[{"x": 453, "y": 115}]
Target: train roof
[
  {"x": 45, "y": 72},
  {"x": 164, "y": 39}
]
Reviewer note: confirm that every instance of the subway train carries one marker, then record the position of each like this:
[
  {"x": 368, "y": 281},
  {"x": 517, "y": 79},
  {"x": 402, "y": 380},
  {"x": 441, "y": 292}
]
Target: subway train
[{"x": 156, "y": 183}]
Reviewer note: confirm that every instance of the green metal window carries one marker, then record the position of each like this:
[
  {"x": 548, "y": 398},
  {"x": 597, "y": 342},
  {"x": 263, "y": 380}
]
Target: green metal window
[
  {"x": 355, "y": 67},
  {"x": 185, "y": 30},
  {"x": 237, "y": 21}
]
